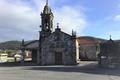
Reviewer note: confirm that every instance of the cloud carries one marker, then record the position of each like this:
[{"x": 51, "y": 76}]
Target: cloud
[
  {"x": 117, "y": 18},
  {"x": 18, "y": 21},
  {"x": 21, "y": 19},
  {"x": 70, "y": 18}
]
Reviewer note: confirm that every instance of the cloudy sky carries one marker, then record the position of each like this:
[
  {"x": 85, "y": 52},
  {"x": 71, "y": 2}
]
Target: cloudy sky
[{"x": 20, "y": 19}]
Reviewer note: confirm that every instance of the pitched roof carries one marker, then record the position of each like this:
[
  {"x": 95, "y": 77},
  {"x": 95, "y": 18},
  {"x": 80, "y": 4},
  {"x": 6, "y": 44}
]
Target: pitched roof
[
  {"x": 32, "y": 45},
  {"x": 86, "y": 41}
]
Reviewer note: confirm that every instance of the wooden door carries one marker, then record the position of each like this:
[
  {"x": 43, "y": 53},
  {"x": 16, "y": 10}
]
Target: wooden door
[{"x": 58, "y": 58}]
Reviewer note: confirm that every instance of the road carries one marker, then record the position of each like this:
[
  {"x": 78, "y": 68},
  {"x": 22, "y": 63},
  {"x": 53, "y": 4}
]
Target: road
[{"x": 83, "y": 71}]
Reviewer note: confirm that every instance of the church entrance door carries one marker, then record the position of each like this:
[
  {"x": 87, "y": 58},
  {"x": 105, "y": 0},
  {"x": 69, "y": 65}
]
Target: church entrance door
[{"x": 58, "y": 58}]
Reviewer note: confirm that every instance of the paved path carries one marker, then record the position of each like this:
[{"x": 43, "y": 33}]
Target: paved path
[{"x": 84, "y": 71}]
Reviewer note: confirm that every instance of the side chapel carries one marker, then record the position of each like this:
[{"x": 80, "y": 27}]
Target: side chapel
[{"x": 109, "y": 56}]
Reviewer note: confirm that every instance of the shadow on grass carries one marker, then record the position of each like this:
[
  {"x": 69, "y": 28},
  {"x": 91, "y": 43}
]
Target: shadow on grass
[{"x": 89, "y": 68}]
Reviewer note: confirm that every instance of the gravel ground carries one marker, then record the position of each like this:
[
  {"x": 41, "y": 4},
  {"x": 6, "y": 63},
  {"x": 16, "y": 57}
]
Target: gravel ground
[{"x": 83, "y": 71}]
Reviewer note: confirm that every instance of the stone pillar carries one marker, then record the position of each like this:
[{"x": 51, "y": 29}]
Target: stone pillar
[
  {"x": 38, "y": 56},
  {"x": 39, "y": 49},
  {"x": 22, "y": 52},
  {"x": 75, "y": 47}
]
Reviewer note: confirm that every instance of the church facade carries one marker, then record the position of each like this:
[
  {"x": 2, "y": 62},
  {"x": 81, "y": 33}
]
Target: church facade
[{"x": 56, "y": 47}]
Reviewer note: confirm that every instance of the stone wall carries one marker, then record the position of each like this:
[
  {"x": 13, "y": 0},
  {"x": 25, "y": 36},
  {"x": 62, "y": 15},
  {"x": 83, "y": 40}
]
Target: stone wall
[{"x": 88, "y": 52}]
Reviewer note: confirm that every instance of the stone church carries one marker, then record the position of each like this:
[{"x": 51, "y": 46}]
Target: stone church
[{"x": 55, "y": 47}]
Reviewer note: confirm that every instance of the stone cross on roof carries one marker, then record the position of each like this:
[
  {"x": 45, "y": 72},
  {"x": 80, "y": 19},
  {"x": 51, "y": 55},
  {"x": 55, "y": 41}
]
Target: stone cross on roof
[
  {"x": 110, "y": 37},
  {"x": 57, "y": 25}
]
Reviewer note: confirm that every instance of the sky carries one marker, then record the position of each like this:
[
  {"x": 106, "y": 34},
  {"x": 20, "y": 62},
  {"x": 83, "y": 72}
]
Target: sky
[{"x": 20, "y": 19}]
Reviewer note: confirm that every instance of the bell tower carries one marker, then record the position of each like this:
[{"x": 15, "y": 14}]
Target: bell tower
[
  {"x": 46, "y": 21},
  {"x": 46, "y": 27}
]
